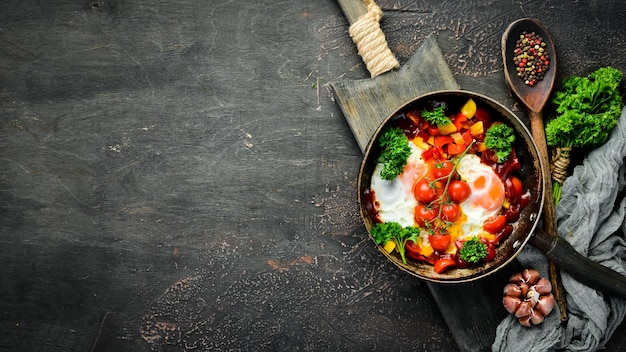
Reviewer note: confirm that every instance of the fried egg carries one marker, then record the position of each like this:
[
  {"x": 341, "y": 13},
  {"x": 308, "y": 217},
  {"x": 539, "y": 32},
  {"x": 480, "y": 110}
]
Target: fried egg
[
  {"x": 487, "y": 194},
  {"x": 394, "y": 199}
]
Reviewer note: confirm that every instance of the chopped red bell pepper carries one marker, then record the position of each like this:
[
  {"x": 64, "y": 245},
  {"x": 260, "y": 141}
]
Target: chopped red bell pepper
[{"x": 455, "y": 149}]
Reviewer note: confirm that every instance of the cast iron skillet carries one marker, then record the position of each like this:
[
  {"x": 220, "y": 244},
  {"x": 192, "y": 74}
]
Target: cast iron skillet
[
  {"x": 530, "y": 175},
  {"x": 526, "y": 229}
]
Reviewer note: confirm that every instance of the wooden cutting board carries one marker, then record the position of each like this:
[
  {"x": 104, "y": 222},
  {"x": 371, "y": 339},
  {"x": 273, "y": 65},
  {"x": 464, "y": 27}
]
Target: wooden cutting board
[{"x": 472, "y": 311}]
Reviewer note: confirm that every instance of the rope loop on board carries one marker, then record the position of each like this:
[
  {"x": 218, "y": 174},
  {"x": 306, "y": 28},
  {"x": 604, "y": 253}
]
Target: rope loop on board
[{"x": 371, "y": 43}]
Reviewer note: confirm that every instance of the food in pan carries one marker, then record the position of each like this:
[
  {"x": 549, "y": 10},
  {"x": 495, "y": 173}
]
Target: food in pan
[{"x": 445, "y": 189}]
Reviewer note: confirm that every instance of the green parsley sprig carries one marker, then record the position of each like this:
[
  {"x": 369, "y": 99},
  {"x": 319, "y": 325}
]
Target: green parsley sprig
[
  {"x": 396, "y": 152},
  {"x": 436, "y": 117},
  {"x": 393, "y": 231},
  {"x": 473, "y": 250},
  {"x": 500, "y": 138}
]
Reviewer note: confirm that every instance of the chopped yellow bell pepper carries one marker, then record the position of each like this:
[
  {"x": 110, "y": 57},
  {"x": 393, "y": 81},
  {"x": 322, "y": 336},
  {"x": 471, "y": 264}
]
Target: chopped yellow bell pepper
[
  {"x": 477, "y": 128},
  {"x": 451, "y": 249},
  {"x": 389, "y": 246},
  {"x": 469, "y": 109},
  {"x": 425, "y": 250},
  {"x": 488, "y": 236},
  {"x": 458, "y": 138},
  {"x": 419, "y": 142},
  {"x": 447, "y": 129}
]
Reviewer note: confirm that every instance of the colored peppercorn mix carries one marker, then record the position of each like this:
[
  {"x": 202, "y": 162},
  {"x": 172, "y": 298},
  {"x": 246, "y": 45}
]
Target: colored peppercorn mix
[{"x": 531, "y": 58}]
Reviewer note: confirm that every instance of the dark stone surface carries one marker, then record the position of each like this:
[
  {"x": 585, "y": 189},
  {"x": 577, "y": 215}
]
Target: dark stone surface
[{"x": 176, "y": 175}]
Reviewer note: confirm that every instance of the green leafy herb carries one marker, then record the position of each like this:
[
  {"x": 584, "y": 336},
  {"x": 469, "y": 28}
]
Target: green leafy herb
[
  {"x": 473, "y": 250},
  {"x": 393, "y": 231},
  {"x": 395, "y": 152},
  {"x": 588, "y": 109},
  {"x": 500, "y": 138},
  {"x": 436, "y": 117}
]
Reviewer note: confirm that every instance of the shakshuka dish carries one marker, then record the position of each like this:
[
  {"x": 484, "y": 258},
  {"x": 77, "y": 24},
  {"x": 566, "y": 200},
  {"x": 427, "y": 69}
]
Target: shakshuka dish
[{"x": 446, "y": 187}]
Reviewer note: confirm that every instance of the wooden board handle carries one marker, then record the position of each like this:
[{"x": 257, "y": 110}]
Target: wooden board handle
[{"x": 352, "y": 9}]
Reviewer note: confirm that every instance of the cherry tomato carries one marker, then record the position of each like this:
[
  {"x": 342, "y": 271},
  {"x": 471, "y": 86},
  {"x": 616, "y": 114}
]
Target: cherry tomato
[
  {"x": 442, "y": 169},
  {"x": 512, "y": 213},
  {"x": 503, "y": 234},
  {"x": 484, "y": 116},
  {"x": 427, "y": 191},
  {"x": 450, "y": 212},
  {"x": 432, "y": 130},
  {"x": 515, "y": 188},
  {"x": 491, "y": 252},
  {"x": 460, "y": 263},
  {"x": 440, "y": 241},
  {"x": 443, "y": 264},
  {"x": 459, "y": 191},
  {"x": 413, "y": 250},
  {"x": 517, "y": 183},
  {"x": 525, "y": 199},
  {"x": 424, "y": 214},
  {"x": 495, "y": 224}
]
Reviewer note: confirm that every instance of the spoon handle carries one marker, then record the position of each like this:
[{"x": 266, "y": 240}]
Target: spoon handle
[
  {"x": 539, "y": 136},
  {"x": 549, "y": 211}
]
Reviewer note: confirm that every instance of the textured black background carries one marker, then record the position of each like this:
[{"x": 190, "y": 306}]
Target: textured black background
[{"x": 177, "y": 175}]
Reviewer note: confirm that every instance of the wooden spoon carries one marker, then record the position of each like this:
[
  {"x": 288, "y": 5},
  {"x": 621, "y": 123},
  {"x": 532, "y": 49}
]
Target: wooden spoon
[{"x": 534, "y": 98}]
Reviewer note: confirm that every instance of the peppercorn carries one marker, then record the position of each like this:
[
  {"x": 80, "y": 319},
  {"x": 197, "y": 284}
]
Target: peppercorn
[{"x": 531, "y": 58}]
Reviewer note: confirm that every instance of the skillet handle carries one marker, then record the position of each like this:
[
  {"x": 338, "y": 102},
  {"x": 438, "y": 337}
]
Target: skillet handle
[{"x": 579, "y": 267}]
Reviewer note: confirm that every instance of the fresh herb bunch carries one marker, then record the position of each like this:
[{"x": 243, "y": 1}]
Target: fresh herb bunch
[
  {"x": 436, "y": 117},
  {"x": 500, "y": 138},
  {"x": 473, "y": 250},
  {"x": 588, "y": 109},
  {"x": 393, "y": 231},
  {"x": 395, "y": 152}
]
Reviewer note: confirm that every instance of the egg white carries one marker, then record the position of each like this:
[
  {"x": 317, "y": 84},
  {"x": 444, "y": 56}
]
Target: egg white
[
  {"x": 470, "y": 168},
  {"x": 395, "y": 199}
]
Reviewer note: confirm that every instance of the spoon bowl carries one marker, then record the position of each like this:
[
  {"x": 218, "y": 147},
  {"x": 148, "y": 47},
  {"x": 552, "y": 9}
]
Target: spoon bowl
[{"x": 533, "y": 97}]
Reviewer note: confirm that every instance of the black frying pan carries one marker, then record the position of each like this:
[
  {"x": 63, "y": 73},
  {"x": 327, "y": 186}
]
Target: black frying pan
[{"x": 525, "y": 230}]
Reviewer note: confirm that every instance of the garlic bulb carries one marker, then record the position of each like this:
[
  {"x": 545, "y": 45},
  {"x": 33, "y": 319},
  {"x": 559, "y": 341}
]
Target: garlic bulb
[{"x": 528, "y": 296}]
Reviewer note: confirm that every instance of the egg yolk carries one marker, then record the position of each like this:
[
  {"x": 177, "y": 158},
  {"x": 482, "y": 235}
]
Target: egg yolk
[
  {"x": 488, "y": 191},
  {"x": 412, "y": 173}
]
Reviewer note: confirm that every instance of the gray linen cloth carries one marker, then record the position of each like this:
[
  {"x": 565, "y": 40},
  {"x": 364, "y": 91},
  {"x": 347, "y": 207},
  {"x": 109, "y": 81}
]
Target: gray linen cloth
[{"x": 590, "y": 216}]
